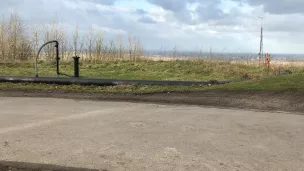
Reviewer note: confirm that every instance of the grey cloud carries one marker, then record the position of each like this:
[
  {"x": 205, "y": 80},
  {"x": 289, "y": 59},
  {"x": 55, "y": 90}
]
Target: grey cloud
[
  {"x": 277, "y": 6},
  {"x": 287, "y": 23},
  {"x": 234, "y": 17},
  {"x": 140, "y": 11},
  {"x": 104, "y": 2},
  {"x": 4, "y": 5},
  {"x": 147, "y": 19},
  {"x": 210, "y": 10},
  {"x": 207, "y": 9},
  {"x": 172, "y": 5},
  {"x": 185, "y": 17}
]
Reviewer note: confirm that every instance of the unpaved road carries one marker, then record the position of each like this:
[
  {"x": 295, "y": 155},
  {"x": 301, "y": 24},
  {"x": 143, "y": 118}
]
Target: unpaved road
[{"x": 137, "y": 136}]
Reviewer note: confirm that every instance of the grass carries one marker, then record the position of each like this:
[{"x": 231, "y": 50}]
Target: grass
[
  {"x": 279, "y": 83},
  {"x": 275, "y": 83},
  {"x": 171, "y": 70},
  {"x": 148, "y": 70}
]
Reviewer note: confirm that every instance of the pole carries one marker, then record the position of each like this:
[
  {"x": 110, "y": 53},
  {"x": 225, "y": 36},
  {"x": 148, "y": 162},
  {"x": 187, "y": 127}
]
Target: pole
[
  {"x": 57, "y": 58},
  {"x": 261, "y": 42},
  {"x": 76, "y": 66}
]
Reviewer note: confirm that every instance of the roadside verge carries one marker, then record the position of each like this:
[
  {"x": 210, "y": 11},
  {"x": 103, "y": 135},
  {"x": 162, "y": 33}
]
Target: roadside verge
[{"x": 288, "y": 100}]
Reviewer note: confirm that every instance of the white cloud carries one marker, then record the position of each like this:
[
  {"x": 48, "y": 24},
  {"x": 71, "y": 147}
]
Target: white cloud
[{"x": 108, "y": 30}]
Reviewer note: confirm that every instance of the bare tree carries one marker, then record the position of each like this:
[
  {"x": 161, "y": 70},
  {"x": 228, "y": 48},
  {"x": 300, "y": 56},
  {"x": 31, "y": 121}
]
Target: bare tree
[
  {"x": 174, "y": 52},
  {"x": 19, "y": 47},
  {"x": 99, "y": 46},
  {"x": 130, "y": 41},
  {"x": 82, "y": 45},
  {"x": 35, "y": 40},
  {"x": 76, "y": 37},
  {"x": 112, "y": 50},
  {"x": 90, "y": 42},
  {"x": 15, "y": 29},
  {"x": 17, "y": 44},
  {"x": 138, "y": 49},
  {"x": 2, "y": 40},
  {"x": 121, "y": 46},
  {"x": 63, "y": 44}
]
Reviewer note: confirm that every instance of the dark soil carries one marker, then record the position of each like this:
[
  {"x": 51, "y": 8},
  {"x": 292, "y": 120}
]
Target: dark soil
[
  {"x": 289, "y": 100},
  {"x": 16, "y": 166}
]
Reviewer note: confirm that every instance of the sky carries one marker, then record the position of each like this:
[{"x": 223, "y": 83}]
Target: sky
[{"x": 192, "y": 25}]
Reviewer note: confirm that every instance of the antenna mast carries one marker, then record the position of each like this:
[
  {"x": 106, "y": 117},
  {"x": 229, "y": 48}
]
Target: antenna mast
[{"x": 261, "y": 42}]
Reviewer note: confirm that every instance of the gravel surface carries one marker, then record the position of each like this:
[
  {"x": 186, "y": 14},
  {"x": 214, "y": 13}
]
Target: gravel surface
[{"x": 107, "y": 135}]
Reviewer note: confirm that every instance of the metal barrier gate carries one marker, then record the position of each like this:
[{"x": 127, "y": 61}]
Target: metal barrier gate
[{"x": 76, "y": 60}]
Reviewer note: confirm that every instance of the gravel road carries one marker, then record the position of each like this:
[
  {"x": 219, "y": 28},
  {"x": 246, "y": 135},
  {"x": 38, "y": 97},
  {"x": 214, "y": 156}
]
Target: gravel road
[{"x": 106, "y": 135}]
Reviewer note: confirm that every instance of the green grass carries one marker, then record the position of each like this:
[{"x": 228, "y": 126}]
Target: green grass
[
  {"x": 277, "y": 83},
  {"x": 148, "y": 70},
  {"x": 174, "y": 70}
]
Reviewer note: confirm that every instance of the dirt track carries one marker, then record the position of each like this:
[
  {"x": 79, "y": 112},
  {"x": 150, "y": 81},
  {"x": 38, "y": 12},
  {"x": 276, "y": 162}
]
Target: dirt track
[{"x": 290, "y": 101}]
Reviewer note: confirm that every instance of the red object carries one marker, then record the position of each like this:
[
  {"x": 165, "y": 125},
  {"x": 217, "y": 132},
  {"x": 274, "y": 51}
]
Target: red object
[{"x": 267, "y": 59}]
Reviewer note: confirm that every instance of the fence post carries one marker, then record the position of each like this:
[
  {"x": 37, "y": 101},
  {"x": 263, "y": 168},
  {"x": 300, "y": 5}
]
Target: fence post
[{"x": 76, "y": 66}]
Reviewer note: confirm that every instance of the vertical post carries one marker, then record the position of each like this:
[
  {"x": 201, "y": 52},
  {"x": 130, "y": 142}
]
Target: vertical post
[
  {"x": 267, "y": 58},
  {"x": 57, "y": 58},
  {"x": 261, "y": 46},
  {"x": 76, "y": 66},
  {"x": 261, "y": 42}
]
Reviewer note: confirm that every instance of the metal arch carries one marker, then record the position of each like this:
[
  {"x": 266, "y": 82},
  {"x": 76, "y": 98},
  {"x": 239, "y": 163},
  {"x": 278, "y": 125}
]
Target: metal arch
[{"x": 57, "y": 56}]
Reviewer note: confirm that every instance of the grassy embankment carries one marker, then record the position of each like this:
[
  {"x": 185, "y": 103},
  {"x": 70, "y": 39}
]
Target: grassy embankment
[
  {"x": 159, "y": 70},
  {"x": 20, "y": 43}
]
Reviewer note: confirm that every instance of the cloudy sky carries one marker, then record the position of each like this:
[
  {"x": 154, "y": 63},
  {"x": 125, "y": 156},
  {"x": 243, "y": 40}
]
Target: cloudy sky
[{"x": 224, "y": 25}]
